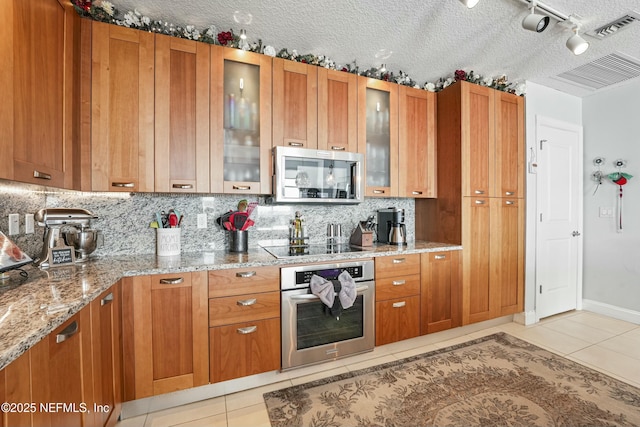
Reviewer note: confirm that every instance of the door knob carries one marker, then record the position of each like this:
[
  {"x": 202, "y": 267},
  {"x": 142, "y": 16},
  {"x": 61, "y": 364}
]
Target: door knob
[{"x": 575, "y": 233}]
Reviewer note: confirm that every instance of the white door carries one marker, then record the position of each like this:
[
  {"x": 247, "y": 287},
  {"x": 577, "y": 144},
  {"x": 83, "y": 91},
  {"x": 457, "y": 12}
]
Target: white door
[{"x": 559, "y": 217}]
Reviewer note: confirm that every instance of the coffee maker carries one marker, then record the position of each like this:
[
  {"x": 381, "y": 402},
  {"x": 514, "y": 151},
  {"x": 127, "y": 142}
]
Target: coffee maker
[
  {"x": 391, "y": 227},
  {"x": 67, "y": 236}
]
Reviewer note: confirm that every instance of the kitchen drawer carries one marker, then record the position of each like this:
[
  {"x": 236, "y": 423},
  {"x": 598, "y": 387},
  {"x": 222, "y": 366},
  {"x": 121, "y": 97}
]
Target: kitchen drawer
[
  {"x": 226, "y": 283},
  {"x": 171, "y": 280},
  {"x": 397, "y": 287},
  {"x": 243, "y": 349},
  {"x": 397, "y": 319},
  {"x": 399, "y": 265},
  {"x": 243, "y": 308}
]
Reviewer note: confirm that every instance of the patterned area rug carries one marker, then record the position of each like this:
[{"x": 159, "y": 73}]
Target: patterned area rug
[{"x": 497, "y": 380}]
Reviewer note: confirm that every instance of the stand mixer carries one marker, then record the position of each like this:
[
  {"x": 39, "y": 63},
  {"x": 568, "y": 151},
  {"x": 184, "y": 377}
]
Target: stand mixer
[{"x": 70, "y": 226}]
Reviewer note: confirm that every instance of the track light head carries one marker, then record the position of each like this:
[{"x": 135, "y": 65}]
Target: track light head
[
  {"x": 577, "y": 44},
  {"x": 534, "y": 22},
  {"x": 469, "y": 3}
]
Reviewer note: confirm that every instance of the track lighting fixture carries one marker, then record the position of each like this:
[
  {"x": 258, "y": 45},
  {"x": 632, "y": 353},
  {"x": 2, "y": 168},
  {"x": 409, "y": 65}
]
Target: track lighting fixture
[
  {"x": 535, "y": 22},
  {"x": 469, "y": 3},
  {"x": 577, "y": 44}
]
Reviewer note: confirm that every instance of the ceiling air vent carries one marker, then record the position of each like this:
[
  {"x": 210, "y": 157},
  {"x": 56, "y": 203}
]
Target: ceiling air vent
[
  {"x": 606, "y": 71},
  {"x": 615, "y": 26}
]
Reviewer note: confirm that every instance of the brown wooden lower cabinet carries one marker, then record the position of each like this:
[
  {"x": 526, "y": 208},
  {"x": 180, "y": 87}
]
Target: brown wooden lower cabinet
[
  {"x": 165, "y": 342},
  {"x": 61, "y": 374},
  {"x": 244, "y": 349},
  {"x": 441, "y": 291},
  {"x": 397, "y": 319},
  {"x": 15, "y": 387}
]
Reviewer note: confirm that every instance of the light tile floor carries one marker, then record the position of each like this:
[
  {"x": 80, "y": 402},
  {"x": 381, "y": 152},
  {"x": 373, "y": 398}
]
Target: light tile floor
[{"x": 608, "y": 345}]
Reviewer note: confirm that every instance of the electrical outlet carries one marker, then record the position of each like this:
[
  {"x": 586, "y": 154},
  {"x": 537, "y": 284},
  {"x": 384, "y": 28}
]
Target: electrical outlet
[
  {"x": 28, "y": 224},
  {"x": 606, "y": 212},
  {"x": 202, "y": 220},
  {"x": 14, "y": 224}
]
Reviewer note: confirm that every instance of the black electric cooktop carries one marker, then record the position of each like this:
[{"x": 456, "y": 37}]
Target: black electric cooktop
[{"x": 281, "y": 252}]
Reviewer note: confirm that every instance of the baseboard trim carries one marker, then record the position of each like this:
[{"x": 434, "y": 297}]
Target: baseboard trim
[
  {"x": 611, "y": 311},
  {"x": 525, "y": 318}
]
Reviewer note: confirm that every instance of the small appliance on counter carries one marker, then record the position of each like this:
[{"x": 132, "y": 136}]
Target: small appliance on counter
[
  {"x": 391, "y": 227},
  {"x": 67, "y": 236}
]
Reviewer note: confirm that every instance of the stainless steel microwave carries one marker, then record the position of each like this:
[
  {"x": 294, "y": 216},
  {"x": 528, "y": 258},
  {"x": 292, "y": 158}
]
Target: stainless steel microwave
[{"x": 303, "y": 175}]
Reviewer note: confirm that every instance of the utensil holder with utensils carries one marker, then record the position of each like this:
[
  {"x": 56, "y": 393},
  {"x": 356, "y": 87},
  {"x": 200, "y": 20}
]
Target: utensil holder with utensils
[
  {"x": 238, "y": 241},
  {"x": 168, "y": 241}
]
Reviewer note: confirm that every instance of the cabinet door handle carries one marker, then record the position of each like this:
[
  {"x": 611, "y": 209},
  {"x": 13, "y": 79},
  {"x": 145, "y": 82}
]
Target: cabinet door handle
[
  {"x": 398, "y": 282},
  {"x": 172, "y": 281},
  {"x": 416, "y": 193},
  {"x": 123, "y": 184},
  {"x": 242, "y": 187},
  {"x": 246, "y": 302},
  {"x": 67, "y": 332},
  {"x": 399, "y": 260},
  {"x": 182, "y": 186},
  {"x": 509, "y": 202},
  {"x": 479, "y": 192},
  {"x": 41, "y": 175},
  {"x": 399, "y": 304},
  {"x": 509, "y": 193},
  {"x": 378, "y": 191},
  {"x": 245, "y": 274},
  {"x": 479, "y": 202},
  {"x": 295, "y": 144},
  {"x": 107, "y": 300},
  {"x": 337, "y": 148},
  {"x": 247, "y": 330},
  {"x": 439, "y": 257}
]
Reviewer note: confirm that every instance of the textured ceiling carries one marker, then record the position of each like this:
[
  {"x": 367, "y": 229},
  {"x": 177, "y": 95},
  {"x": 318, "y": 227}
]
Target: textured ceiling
[{"x": 429, "y": 39}]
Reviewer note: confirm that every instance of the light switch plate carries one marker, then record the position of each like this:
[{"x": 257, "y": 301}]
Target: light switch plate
[
  {"x": 202, "y": 220},
  {"x": 28, "y": 224},
  {"x": 14, "y": 224}
]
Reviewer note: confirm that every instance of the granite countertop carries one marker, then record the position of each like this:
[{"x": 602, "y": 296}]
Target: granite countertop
[{"x": 32, "y": 307}]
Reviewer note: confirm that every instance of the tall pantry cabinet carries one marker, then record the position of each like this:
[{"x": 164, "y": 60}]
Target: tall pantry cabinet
[{"x": 480, "y": 200}]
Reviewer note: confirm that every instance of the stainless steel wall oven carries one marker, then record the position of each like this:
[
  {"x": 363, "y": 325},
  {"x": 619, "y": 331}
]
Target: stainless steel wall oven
[{"x": 310, "y": 334}]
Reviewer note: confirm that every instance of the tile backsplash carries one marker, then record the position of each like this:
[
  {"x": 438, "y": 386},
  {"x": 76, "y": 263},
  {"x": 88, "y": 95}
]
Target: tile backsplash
[{"x": 124, "y": 218}]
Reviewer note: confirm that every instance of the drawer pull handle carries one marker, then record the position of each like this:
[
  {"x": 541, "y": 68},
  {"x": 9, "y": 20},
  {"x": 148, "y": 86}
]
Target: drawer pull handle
[
  {"x": 398, "y": 282},
  {"x": 479, "y": 192},
  {"x": 399, "y": 260},
  {"x": 123, "y": 184},
  {"x": 41, "y": 175},
  {"x": 245, "y": 274},
  {"x": 67, "y": 332},
  {"x": 247, "y": 302},
  {"x": 173, "y": 281},
  {"x": 440, "y": 257},
  {"x": 247, "y": 330},
  {"x": 509, "y": 202},
  {"x": 479, "y": 202},
  {"x": 509, "y": 193},
  {"x": 182, "y": 186},
  {"x": 378, "y": 191},
  {"x": 399, "y": 304},
  {"x": 416, "y": 193},
  {"x": 242, "y": 187},
  {"x": 337, "y": 148},
  {"x": 296, "y": 144},
  {"x": 107, "y": 300}
]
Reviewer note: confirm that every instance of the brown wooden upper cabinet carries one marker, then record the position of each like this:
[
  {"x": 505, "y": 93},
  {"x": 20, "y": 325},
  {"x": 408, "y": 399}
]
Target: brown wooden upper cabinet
[
  {"x": 337, "y": 110},
  {"x": 39, "y": 46},
  {"x": 181, "y": 115},
  {"x": 492, "y": 142},
  {"x": 240, "y": 121},
  {"x": 295, "y": 104},
  {"x": 378, "y": 135},
  {"x": 122, "y": 109},
  {"x": 417, "y": 143}
]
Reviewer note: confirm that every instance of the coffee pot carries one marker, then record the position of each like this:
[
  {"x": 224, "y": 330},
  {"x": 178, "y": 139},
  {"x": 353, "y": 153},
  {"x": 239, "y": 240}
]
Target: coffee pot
[{"x": 397, "y": 233}]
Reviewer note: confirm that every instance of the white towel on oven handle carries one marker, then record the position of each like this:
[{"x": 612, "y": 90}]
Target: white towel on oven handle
[
  {"x": 323, "y": 289},
  {"x": 349, "y": 291}
]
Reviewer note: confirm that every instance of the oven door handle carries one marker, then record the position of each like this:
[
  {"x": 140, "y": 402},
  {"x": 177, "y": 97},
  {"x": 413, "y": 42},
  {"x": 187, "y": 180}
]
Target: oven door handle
[{"x": 308, "y": 297}]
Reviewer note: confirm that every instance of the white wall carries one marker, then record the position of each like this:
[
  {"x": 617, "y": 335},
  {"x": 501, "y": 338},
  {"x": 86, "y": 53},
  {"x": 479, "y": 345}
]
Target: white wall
[
  {"x": 611, "y": 274},
  {"x": 547, "y": 102}
]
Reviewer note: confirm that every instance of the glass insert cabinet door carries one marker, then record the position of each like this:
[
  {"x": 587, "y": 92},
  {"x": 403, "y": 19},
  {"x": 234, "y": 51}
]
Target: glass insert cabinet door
[
  {"x": 379, "y": 138},
  {"x": 242, "y": 124}
]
